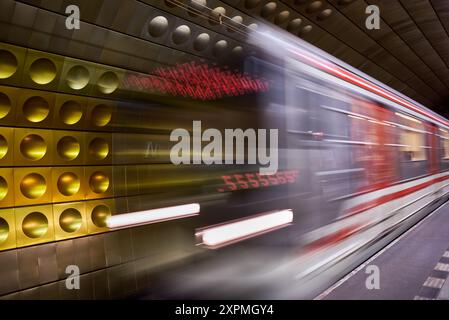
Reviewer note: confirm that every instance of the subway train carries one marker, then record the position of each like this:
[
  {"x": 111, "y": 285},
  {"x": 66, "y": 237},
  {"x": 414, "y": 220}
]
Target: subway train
[
  {"x": 359, "y": 164},
  {"x": 128, "y": 175}
]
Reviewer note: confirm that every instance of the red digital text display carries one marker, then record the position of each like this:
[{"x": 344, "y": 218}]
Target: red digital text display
[
  {"x": 197, "y": 81},
  {"x": 255, "y": 180}
]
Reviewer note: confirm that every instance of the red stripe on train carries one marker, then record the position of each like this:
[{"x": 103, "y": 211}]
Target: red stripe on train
[{"x": 392, "y": 196}]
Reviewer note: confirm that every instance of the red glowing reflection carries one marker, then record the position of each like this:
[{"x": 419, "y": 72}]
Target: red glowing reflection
[{"x": 198, "y": 81}]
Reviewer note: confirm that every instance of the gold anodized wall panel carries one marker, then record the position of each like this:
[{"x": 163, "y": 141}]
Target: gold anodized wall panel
[
  {"x": 6, "y": 146},
  {"x": 99, "y": 182},
  {"x": 33, "y": 147},
  {"x": 32, "y": 186},
  {"x": 98, "y": 148},
  {"x": 12, "y": 60},
  {"x": 42, "y": 70},
  {"x": 70, "y": 220},
  {"x": 97, "y": 213},
  {"x": 8, "y": 105},
  {"x": 6, "y": 187},
  {"x": 7, "y": 229},
  {"x": 69, "y": 147},
  {"x": 35, "y": 108},
  {"x": 68, "y": 184},
  {"x": 100, "y": 114},
  {"x": 34, "y": 225},
  {"x": 70, "y": 112}
]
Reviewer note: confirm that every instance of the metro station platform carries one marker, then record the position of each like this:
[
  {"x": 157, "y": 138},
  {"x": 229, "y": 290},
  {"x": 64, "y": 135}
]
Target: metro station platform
[{"x": 414, "y": 266}]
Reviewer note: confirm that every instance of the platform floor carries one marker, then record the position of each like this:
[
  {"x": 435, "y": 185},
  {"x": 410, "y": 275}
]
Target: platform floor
[{"x": 415, "y": 266}]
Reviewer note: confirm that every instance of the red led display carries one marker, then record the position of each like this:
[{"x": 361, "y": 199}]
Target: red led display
[
  {"x": 198, "y": 81},
  {"x": 255, "y": 180}
]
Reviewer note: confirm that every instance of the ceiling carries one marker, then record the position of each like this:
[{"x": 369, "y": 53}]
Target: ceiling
[{"x": 409, "y": 52}]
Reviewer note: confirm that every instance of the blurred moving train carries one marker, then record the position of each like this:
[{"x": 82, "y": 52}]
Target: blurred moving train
[
  {"x": 90, "y": 181},
  {"x": 359, "y": 163}
]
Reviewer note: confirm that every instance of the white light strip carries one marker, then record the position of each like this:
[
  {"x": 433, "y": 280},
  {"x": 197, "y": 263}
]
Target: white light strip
[
  {"x": 152, "y": 216},
  {"x": 224, "y": 234},
  {"x": 407, "y": 117}
]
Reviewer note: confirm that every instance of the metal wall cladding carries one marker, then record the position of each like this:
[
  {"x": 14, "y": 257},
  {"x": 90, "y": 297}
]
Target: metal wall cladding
[
  {"x": 69, "y": 147},
  {"x": 42, "y": 70},
  {"x": 98, "y": 148},
  {"x": 99, "y": 179},
  {"x": 35, "y": 108},
  {"x": 12, "y": 58},
  {"x": 6, "y": 187},
  {"x": 97, "y": 213},
  {"x": 76, "y": 77},
  {"x": 70, "y": 220},
  {"x": 8, "y": 103},
  {"x": 70, "y": 112},
  {"x": 6, "y": 146},
  {"x": 68, "y": 184},
  {"x": 33, "y": 147},
  {"x": 100, "y": 114},
  {"x": 7, "y": 229},
  {"x": 32, "y": 185},
  {"x": 34, "y": 225}
]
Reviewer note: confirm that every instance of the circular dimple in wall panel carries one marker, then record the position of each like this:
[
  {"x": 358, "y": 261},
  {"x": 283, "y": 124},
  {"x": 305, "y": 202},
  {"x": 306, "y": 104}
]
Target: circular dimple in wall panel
[
  {"x": 181, "y": 34},
  {"x": 77, "y": 77},
  {"x": 68, "y": 148},
  {"x": 269, "y": 9},
  {"x": 201, "y": 42},
  {"x": 36, "y": 109},
  {"x": 42, "y": 71},
  {"x": 3, "y": 188},
  {"x": 33, "y": 186},
  {"x": 5, "y": 105},
  {"x": 4, "y": 230},
  {"x": 101, "y": 115},
  {"x": 70, "y": 112},
  {"x": 33, "y": 147},
  {"x": 35, "y": 225},
  {"x": 99, "y": 182},
  {"x": 220, "y": 48},
  {"x": 70, "y": 220},
  {"x": 3, "y": 147},
  {"x": 108, "y": 82},
  {"x": 158, "y": 26},
  {"x": 98, "y": 149},
  {"x": 8, "y": 64},
  {"x": 68, "y": 183},
  {"x": 99, "y": 215}
]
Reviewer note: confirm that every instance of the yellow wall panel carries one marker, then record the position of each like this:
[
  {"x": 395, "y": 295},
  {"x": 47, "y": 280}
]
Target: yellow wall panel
[
  {"x": 7, "y": 229},
  {"x": 68, "y": 184},
  {"x": 12, "y": 60},
  {"x": 6, "y": 187},
  {"x": 6, "y": 146},
  {"x": 70, "y": 220},
  {"x": 8, "y": 105},
  {"x": 32, "y": 186},
  {"x": 34, "y": 225},
  {"x": 33, "y": 147},
  {"x": 97, "y": 213}
]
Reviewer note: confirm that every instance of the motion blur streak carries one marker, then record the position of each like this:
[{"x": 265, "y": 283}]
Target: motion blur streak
[
  {"x": 154, "y": 215},
  {"x": 217, "y": 236}
]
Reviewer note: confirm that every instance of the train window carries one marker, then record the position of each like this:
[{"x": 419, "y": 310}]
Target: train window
[
  {"x": 444, "y": 134},
  {"x": 412, "y": 138}
]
